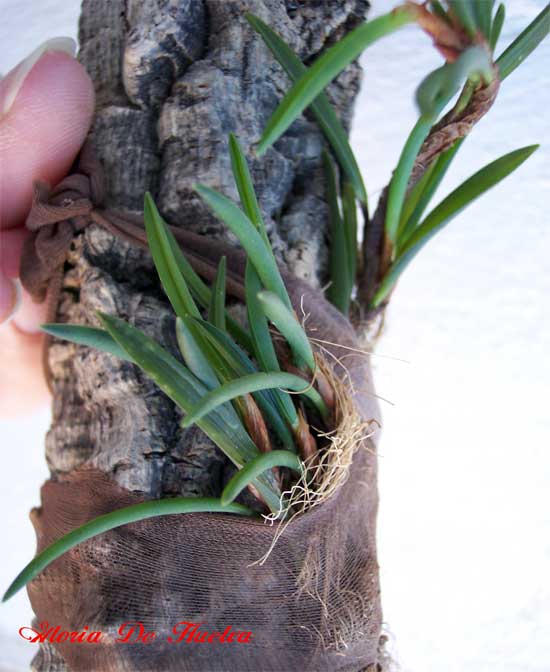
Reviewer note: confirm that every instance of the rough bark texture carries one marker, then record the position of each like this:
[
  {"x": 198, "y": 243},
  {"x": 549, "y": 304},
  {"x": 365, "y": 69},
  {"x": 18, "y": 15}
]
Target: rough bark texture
[{"x": 173, "y": 78}]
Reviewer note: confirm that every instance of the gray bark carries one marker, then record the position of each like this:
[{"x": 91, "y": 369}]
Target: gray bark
[{"x": 173, "y": 78}]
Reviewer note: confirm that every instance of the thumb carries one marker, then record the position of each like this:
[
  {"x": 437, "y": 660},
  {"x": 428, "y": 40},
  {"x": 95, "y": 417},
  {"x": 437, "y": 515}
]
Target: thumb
[{"x": 46, "y": 108}]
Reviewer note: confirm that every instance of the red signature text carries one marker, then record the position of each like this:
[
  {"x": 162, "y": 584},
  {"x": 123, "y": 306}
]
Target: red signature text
[{"x": 184, "y": 632}]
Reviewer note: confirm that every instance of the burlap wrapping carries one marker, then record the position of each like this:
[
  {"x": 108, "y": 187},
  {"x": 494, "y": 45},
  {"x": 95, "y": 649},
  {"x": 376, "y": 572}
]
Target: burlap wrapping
[{"x": 313, "y": 605}]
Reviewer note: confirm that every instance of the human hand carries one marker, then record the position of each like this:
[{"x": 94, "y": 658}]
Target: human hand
[{"x": 46, "y": 108}]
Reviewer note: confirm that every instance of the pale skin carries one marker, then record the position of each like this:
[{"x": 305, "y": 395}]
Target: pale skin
[{"x": 46, "y": 108}]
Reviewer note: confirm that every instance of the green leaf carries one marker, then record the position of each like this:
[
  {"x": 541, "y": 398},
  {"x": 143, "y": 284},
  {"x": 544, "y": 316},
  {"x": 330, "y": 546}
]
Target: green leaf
[
  {"x": 199, "y": 289},
  {"x": 327, "y": 67},
  {"x": 242, "y": 365},
  {"x": 243, "y": 478},
  {"x": 483, "y": 14},
  {"x": 198, "y": 354},
  {"x": 168, "y": 262},
  {"x": 223, "y": 425},
  {"x": 432, "y": 96},
  {"x": 109, "y": 521},
  {"x": 400, "y": 179},
  {"x": 216, "y": 310},
  {"x": 174, "y": 378},
  {"x": 207, "y": 358},
  {"x": 193, "y": 354},
  {"x": 454, "y": 203},
  {"x": 463, "y": 11},
  {"x": 524, "y": 44},
  {"x": 287, "y": 323},
  {"x": 201, "y": 292},
  {"x": 428, "y": 187},
  {"x": 245, "y": 187},
  {"x": 239, "y": 334},
  {"x": 413, "y": 197},
  {"x": 349, "y": 213},
  {"x": 263, "y": 347},
  {"x": 253, "y": 383},
  {"x": 321, "y": 107},
  {"x": 339, "y": 291},
  {"x": 90, "y": 336},
  {"x": 498, "y": 22},
  {"x": 258, "y": 252},
  {"x": 437, "y": 89},
  {"x": 165, "y": 261}
]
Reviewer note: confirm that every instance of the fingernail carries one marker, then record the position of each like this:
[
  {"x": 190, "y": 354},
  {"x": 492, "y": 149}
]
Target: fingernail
[
  {"x": 17, "y": 76},
  {"x": 10, "y": 298}
]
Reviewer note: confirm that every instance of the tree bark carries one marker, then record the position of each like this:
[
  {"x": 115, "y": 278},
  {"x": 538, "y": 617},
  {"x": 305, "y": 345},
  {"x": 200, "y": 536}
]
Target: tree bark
[{"x": 173, "y": 78}]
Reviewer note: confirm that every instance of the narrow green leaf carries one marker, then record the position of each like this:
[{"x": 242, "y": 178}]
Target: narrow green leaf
[
  {"x": 463, "y": 11},
  {"x": 165, "y": 261},
  {"x": 90, "y": 336},
  {"x": 245, "y": 187},
  {"x": 220, "y": 370},
  {"x": 454, "y": 203},
  {"x": 428, "y": 188},
  {"x": 327, "y": 67},
  {"x": 287, "y": 323},
  {"x": 400, "y": 179},
  {"x": 469, "y": 190},
  {"x": 524, "y": 44},
  {"x": 244, "y": 477},
  {"x": 239, "y": 334},
  {"x": 223, "y": 425},
  {"x": 174, "y": 378},
  {"x": 193, "y": 354},
  {"x": 209, "y": 358},
  {"x": 168, "y": 262},
  {"x": 216, "y": 310},
  {"x": 437, "y": 89},
  {"x": 110, "y": 521},
  {"x": 498, "y": 22},
  {"x": 432, "y": 96},
  {"x": 483, "y": 13},
  {"x": 253, "y": 383},
  {"x": 349, "y": 214},
  {"x": 263, "y": 347},
  {"x": 339, "y": 291},
  {"x": 413, "y": 197},
  {"x": 259, "y": 254},
  {"x": 199, "y": 289},
  {"x": 242, "y": 365},
  {"x": 236, "y": 358},
  {"x": 321, "y": 107},
  {"x": 201, "y": 292}
]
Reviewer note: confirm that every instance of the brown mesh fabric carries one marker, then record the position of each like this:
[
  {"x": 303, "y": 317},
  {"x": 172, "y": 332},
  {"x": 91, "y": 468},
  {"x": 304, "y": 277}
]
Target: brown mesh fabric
[{"x": 313, "y": 605}]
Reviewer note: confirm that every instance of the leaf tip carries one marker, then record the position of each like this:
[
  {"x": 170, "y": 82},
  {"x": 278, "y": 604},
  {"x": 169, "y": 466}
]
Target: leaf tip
[
  {"x": 148, "y": 201},
  {"x": 10, "y": 592}
]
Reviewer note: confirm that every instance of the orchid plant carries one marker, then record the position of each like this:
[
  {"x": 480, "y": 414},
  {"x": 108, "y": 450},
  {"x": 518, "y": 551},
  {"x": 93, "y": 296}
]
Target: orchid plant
[{"x": 230, "y": 380}]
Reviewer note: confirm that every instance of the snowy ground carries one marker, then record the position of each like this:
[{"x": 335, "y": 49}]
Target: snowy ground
[{"x": 464, "y": 524}]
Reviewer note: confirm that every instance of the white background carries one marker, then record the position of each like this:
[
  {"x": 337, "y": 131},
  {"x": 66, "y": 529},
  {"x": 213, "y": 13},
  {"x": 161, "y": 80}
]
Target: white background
[{"x": 464, "y": 526}]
